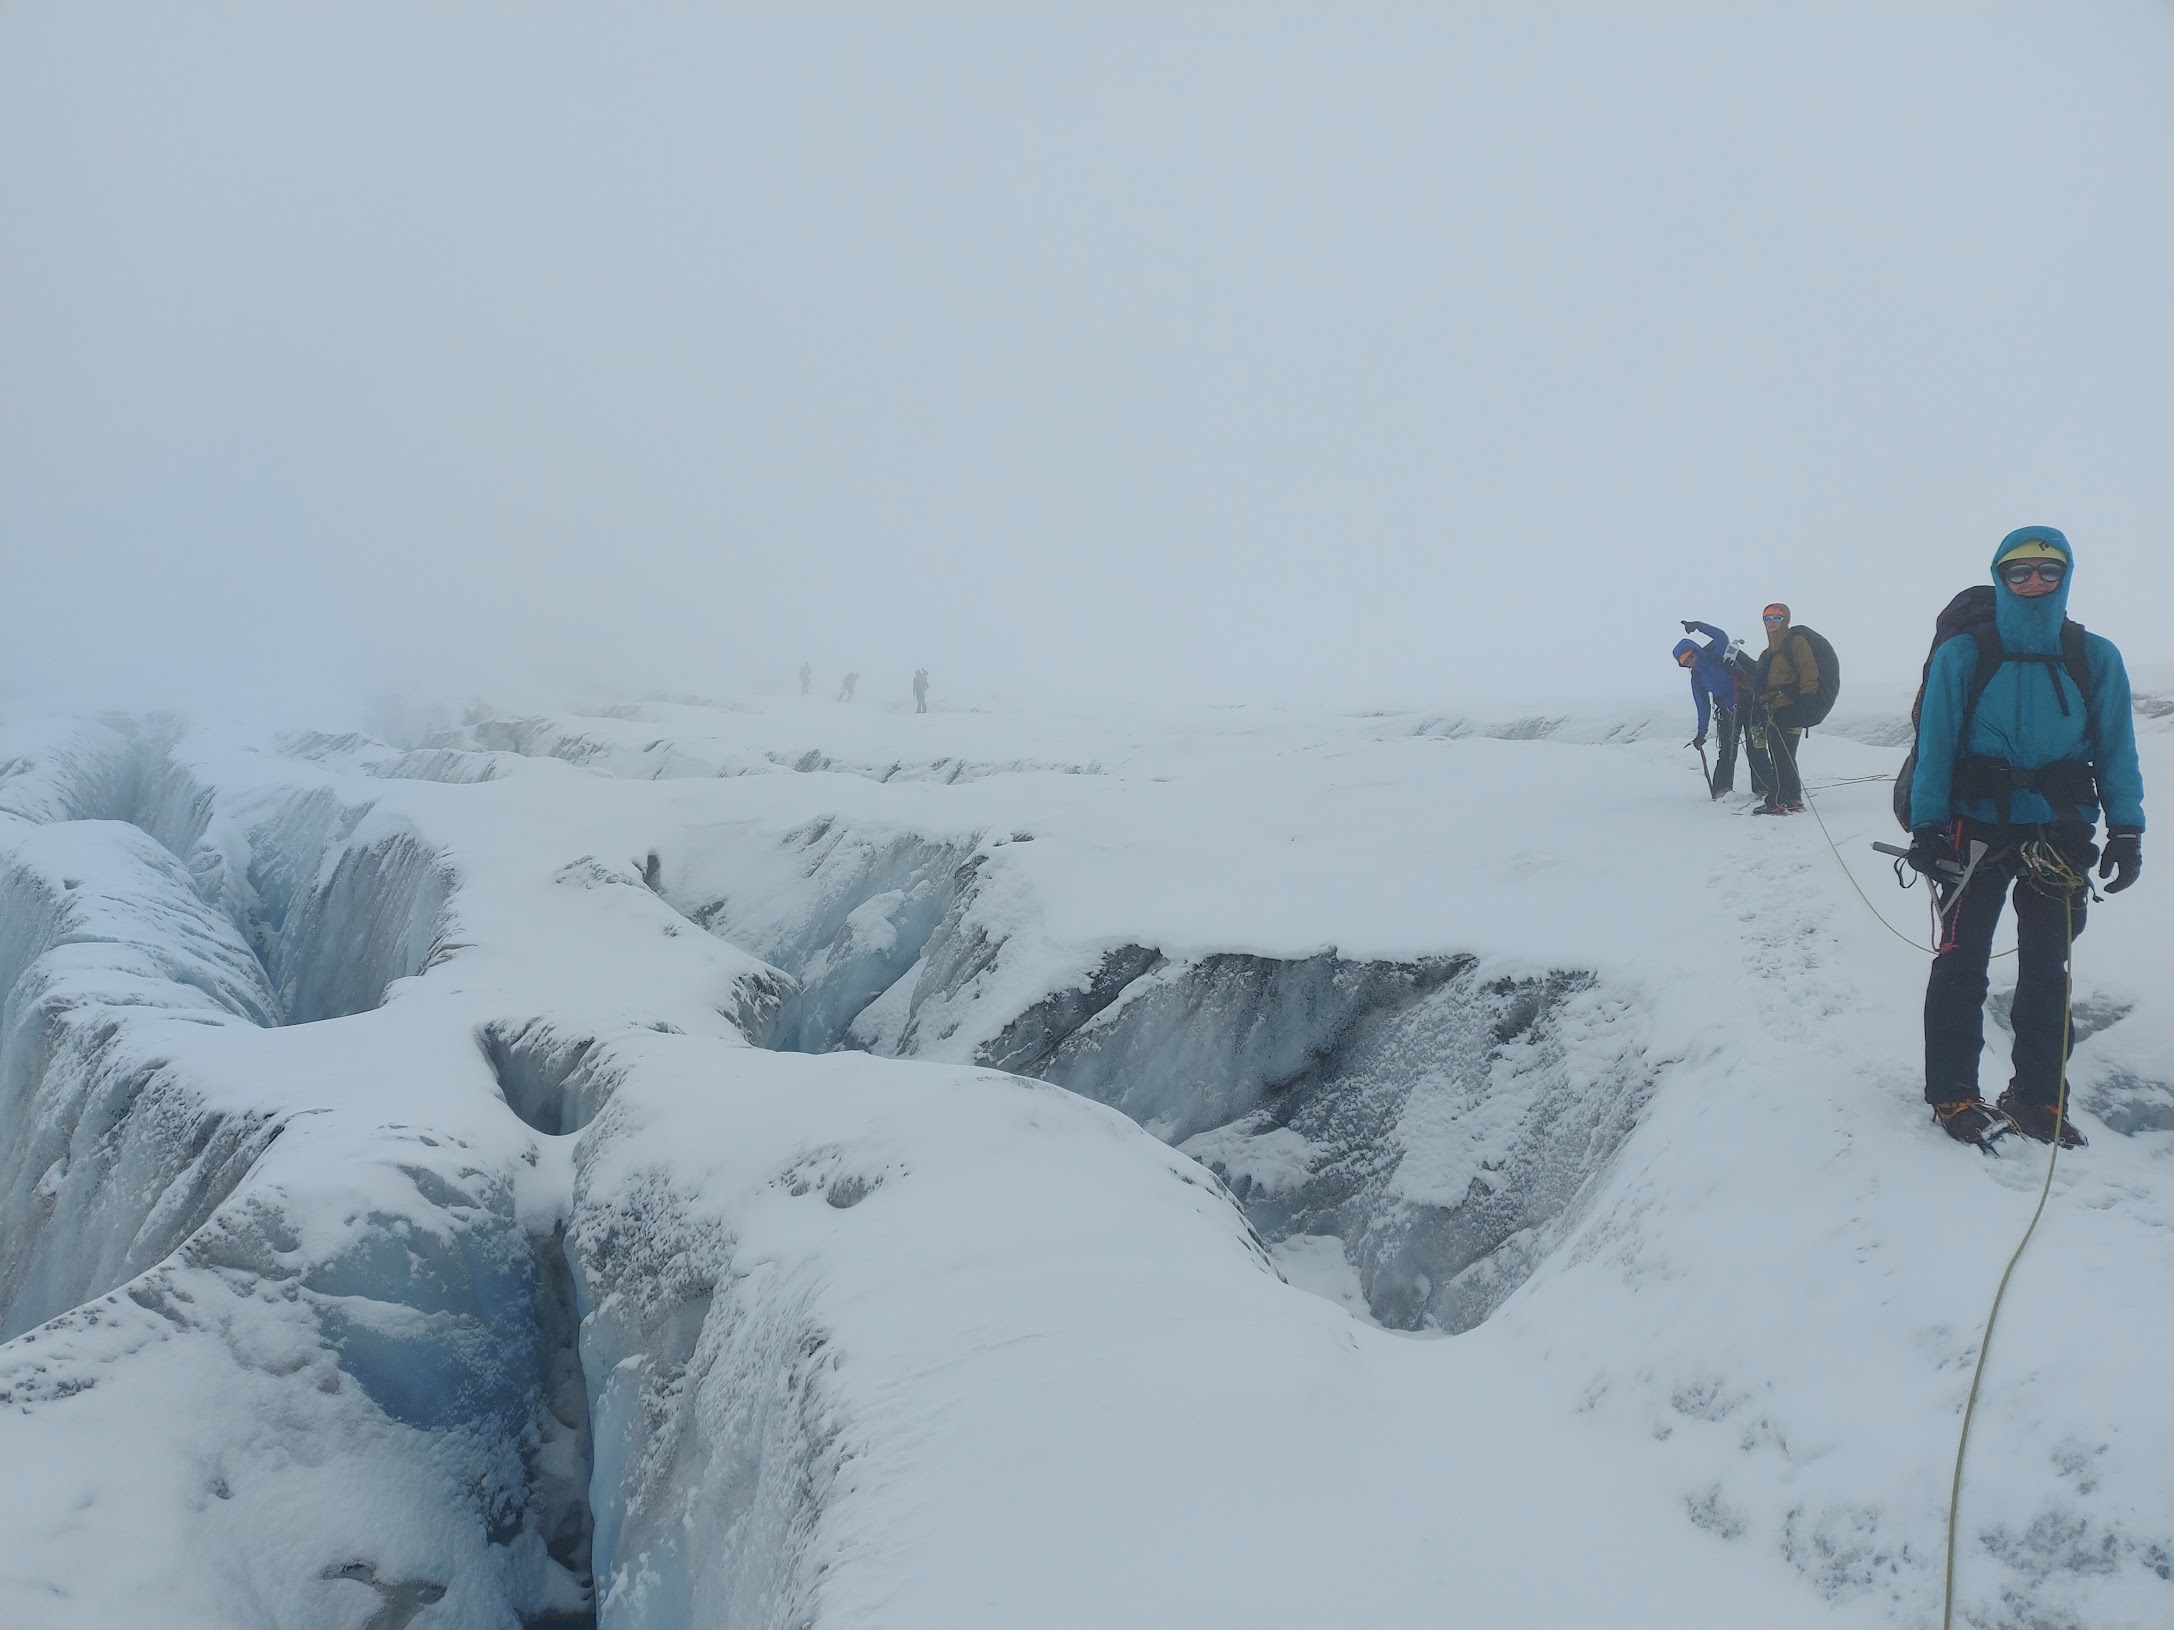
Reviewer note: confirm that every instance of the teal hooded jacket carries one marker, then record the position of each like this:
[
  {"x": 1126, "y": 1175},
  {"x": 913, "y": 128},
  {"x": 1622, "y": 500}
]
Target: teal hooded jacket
[{"x": 2020, "y": 716}]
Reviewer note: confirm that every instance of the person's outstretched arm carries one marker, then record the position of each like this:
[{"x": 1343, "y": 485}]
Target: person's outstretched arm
[{"x": 1721, "y": 640}]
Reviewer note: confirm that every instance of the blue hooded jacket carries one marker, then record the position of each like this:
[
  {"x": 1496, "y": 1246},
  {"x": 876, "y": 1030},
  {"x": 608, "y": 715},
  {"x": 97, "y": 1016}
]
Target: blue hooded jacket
[
  {"x": 1711, "y": 684},
  {"x": 2019, "y": 717}
]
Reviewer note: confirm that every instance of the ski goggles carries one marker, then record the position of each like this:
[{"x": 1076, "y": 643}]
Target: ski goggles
[
  {"x": 2019, "y": 572},
  {"x": 1773, "y": 617}
]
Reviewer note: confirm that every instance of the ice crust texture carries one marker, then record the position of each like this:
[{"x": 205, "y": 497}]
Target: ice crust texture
[{"x": 579, "y": 1169}]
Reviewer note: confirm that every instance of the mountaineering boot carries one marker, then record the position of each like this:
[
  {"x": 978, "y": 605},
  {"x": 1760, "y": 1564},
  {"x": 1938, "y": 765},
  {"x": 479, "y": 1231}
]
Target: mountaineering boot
[
  {"x": 1972, "y": 1120},
  {"x": 1795, "y": 806},
  {"x": 2036, "y": 1121},
  {"x": 1771, "y": 808}
]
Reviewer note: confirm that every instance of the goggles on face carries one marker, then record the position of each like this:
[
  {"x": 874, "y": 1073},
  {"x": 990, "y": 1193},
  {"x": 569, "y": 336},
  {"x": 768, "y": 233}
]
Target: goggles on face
[
  {"x": 2019, "y": 572},
  {"x": 1773, "y": 617}
]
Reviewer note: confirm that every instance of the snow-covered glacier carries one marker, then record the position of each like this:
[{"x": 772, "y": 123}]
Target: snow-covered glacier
[{"x": 686, "y": 1164}]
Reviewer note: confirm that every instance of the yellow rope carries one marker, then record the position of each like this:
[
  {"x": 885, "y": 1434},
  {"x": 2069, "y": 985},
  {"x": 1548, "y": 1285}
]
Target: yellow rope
[
  {"x": 1985, "y": 1342},
  {"x": 1847, "y": 781},
  {"x": 2070, "y": 882}
]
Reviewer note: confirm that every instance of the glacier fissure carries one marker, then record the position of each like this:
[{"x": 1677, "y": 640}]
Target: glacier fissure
[
  {"x": 1439, "y": 1121},
  {"x": 558, "y": 1176},
  {"x": 450, "y": 1278},
  {"x": 200, "y": 1152}
]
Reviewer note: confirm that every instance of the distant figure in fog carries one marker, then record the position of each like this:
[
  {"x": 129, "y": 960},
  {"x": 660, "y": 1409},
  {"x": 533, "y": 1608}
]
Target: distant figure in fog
[
  {"x": 807, "y": 679},
  {"x": 845, "y": 691},
  {"x": 920, "y": 690}
]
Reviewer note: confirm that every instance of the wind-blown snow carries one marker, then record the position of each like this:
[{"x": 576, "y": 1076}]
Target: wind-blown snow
[{"x": 435, "y": 1176}]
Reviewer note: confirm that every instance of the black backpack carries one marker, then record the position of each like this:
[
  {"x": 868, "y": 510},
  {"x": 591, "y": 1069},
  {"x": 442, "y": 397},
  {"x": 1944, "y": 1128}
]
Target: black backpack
[
  {"x": 1972, "y": 612},
  {"x": 1806, "y": 711}
]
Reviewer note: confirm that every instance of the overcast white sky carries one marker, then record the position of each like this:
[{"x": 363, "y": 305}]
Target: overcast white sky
[{"x": 1370, "y": 352}]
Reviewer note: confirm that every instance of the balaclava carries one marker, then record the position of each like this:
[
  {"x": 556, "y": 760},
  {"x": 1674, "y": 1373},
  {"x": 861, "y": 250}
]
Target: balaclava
[{"x": 2027, "y": 623}]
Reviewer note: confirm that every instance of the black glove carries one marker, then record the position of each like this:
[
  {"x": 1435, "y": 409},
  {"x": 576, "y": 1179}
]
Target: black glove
[
  {"x": 1690, "y": 625},
  {"x": 2123, "y": 858},
  {"x": 1699, "y": 740},
  {"x": 1933, "y": 854}
]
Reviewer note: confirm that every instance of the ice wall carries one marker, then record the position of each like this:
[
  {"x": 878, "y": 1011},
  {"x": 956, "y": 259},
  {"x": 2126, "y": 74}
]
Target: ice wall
[
  {"x": 114, "y": 1151},
  {"x": 715, "y": 1453},
  {"x": 341, "y": 1338},
  {"x": 798, "y": 1272},
  {"x": 1444, "y": 1122},
  {"x": 69, "y": 770},
  {"x": 1450, "y": 1141}
]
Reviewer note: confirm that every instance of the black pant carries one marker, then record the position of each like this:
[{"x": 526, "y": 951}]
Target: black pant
[
  {"x": 1955, "y": 995},
  {"x": 1759, "y": 758},
  {"x": 1785, "y": 745},
  {"x": 1726, "y": 730}
]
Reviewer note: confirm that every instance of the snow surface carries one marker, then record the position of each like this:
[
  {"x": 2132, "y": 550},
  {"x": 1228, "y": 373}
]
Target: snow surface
[{"x": 562, "y": 1169}]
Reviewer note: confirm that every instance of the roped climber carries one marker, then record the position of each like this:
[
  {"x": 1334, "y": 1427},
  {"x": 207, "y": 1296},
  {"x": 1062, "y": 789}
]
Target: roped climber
[
  {"x": 1713, "y": 691},
  {"x": 1789, "y": 681},
  {"x": 2015, "y": 754}
]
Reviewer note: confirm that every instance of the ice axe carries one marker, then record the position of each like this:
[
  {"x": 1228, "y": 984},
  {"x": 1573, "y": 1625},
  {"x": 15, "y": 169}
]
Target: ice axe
[
  {"x": 1706, "y": 768},
  {"x": 1958, "y": 876}
]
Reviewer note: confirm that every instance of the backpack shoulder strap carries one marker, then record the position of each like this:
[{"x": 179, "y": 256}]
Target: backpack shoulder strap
[
  {"x": 1991, "y": 653},
  {"x": 2077, "y": 659}
]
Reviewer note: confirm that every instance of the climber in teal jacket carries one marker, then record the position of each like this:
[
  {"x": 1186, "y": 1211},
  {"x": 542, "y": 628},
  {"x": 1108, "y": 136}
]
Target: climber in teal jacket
[{"x": 2026, "y": 770}]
